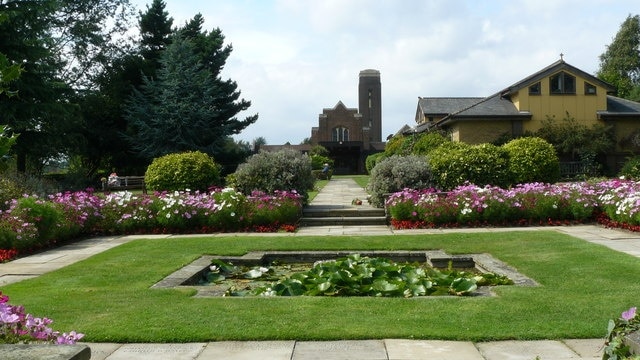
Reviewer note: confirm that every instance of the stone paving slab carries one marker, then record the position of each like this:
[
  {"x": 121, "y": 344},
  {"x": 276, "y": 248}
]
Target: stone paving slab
[
  {"x": 249, "y": 350},
  {"x": 340, "y": 350},
  {"x": 187, "y": 351},
  {"x": 100, "y": 351},
  {"x": 528, "y": 350},
  {"x": 333, "y": 230},
  {"x": 399, "y": 349},
  {"x": 587, "y": 348}
]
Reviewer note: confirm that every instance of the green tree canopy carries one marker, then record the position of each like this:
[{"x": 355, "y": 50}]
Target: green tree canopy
[
  {"x": 60, "y": 45},
  {"x": 188, "y": 107},
  {"x": 620, "y": 63}
]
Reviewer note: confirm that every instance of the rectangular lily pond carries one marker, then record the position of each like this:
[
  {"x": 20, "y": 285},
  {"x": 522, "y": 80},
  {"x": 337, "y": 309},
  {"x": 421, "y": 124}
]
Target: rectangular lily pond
[{"x": 345, "y": 273}]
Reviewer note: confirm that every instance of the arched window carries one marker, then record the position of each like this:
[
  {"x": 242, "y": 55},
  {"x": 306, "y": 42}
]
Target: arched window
[{"x": 340, "y": 133}]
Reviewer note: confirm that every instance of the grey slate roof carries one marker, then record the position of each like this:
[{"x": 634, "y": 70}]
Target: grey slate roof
[
  {"x": 620, "y": 106},
  {"x": 468, "y": 107},
  {"x": 445, "y": 105}
]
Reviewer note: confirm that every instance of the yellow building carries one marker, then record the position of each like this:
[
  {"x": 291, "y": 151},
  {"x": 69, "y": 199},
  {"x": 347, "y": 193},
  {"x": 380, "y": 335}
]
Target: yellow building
[{"x": 557, "y": 91}]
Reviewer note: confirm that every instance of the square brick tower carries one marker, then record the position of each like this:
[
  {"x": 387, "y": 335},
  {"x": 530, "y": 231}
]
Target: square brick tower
[{"x": 370, "y": 103}]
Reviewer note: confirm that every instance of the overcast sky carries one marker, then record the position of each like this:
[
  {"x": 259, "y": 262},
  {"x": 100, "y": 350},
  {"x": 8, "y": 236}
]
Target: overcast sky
[{"x": 292, "y": 58}]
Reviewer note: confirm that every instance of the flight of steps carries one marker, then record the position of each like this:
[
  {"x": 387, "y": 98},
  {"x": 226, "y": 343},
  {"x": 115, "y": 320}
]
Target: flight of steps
[{"x": 344, "y": 217}]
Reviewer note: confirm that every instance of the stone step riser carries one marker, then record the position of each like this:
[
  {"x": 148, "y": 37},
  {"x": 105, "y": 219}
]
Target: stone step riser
[
  {"x": 344, "y": 213},
  {"x": 343, "y": 221}
]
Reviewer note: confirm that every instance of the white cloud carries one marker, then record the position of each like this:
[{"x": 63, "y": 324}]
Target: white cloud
[{"x": 293, "y": 58}]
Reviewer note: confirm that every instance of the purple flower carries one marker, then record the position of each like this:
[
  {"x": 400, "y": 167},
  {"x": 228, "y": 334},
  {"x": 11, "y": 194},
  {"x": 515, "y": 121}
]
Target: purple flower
[{"x": 629, "y": 314}]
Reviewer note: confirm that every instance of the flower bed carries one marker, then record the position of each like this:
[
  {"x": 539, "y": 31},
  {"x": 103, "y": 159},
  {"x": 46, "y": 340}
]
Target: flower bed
[
  {"x": 612, "y": 202},
  {"x": 18, "y": 327},
  {"x": 31, "y": 223}
]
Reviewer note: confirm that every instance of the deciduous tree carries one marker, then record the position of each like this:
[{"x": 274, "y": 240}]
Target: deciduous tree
[{"x": 620, "y": 63}]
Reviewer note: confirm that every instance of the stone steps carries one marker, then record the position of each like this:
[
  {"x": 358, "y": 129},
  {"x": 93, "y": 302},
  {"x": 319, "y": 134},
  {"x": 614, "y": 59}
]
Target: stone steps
[{"x": 344, "y": 217}]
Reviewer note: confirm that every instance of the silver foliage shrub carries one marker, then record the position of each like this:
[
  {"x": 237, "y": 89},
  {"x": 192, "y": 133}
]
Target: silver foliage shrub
[
  {"x": 396, "y": 173},
  {"x": 283, "y": 170}
]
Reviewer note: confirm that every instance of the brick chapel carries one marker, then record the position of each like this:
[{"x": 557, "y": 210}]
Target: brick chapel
[{"x": 352, "y": 134}]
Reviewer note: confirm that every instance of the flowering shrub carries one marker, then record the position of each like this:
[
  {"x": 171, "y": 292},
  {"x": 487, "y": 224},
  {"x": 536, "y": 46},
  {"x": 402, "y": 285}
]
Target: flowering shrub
[
  {"x": 31, "y": 223},
  {"x": 397, "y": 172},
  {"x": 534, "y": 203},
  {"x": 621, "y": 201},
  {"x": 17, "y": 327},
  {"x": 81, "y": 211},
  {"x": 123, "y": 212},
  {"x": 615, "y": 348},
  {"x": 284, "y": 207}
]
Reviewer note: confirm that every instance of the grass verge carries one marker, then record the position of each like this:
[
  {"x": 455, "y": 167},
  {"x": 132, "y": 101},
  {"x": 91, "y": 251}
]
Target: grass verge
[{"x": 108, "y": 296}]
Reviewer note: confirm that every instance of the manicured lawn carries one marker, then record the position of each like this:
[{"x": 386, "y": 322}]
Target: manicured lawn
[
  {"x": 108, "y": 296},
  {"x": 361, "y": 180},
  {"x": 318, "y": 185}
]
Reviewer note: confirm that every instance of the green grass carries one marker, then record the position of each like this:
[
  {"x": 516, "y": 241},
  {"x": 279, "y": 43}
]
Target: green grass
[
  {"x": 316, "y": 188},
  {"x": 361, "y": 180},
  {"x": 108, "y": 296}
]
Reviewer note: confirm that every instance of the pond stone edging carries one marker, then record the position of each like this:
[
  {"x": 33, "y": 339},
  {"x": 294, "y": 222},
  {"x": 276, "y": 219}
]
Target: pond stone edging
[{"x": 44, "y": 351}]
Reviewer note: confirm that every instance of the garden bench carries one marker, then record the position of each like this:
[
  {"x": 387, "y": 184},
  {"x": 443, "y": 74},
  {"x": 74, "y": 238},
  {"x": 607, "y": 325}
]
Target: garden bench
[{"x": 125, "y": 183}]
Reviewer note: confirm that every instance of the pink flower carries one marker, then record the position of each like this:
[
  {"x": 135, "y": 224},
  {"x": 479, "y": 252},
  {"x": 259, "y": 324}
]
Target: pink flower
[{"x": 629, "y": 314}]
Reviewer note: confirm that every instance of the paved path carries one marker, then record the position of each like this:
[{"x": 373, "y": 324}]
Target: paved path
[{"x": 337, "y": 194}]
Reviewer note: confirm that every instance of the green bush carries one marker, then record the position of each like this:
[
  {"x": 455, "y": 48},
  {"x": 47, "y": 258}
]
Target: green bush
[
  {"x": 532, "y": 159},
  {"x": 396, "y": 173},
  {"x": 182, "y": 171},
  {"x": 425, "y": 142},
  {"x": 456, "y": 163},
  {"x": 398, "y": 145},
  {"x": 9, "y": 189},
  {"x": 284, "y": 170},
  {"x": 631, "y": 168},
  {"x": 319, "y": 150},
  {"x": 45, "y": 215},
  {"x": 318, "y": 161},
  {"x": 372, "y": 160}
]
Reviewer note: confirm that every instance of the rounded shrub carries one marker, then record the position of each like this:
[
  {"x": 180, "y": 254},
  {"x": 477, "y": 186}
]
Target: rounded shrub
[
  {"x": 425, "y": 142},
  {"x": 372, "y": 160},
  {"x": 318, "y": 161},
  {"x": 394, "y": 145},
  {"x": 182, "y": 171},
  {"x": 398, "y": 172},
  {"x": 455, "y": 163},
  {"x": 283, "y": 170},
  {"x": 532, "y": 159},
  {"x": 631, "y": 168}
]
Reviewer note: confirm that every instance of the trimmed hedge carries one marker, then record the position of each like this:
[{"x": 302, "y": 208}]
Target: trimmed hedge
[
  {"x": 182, "y": 171},
  {"x": 532, "y": 159}
]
